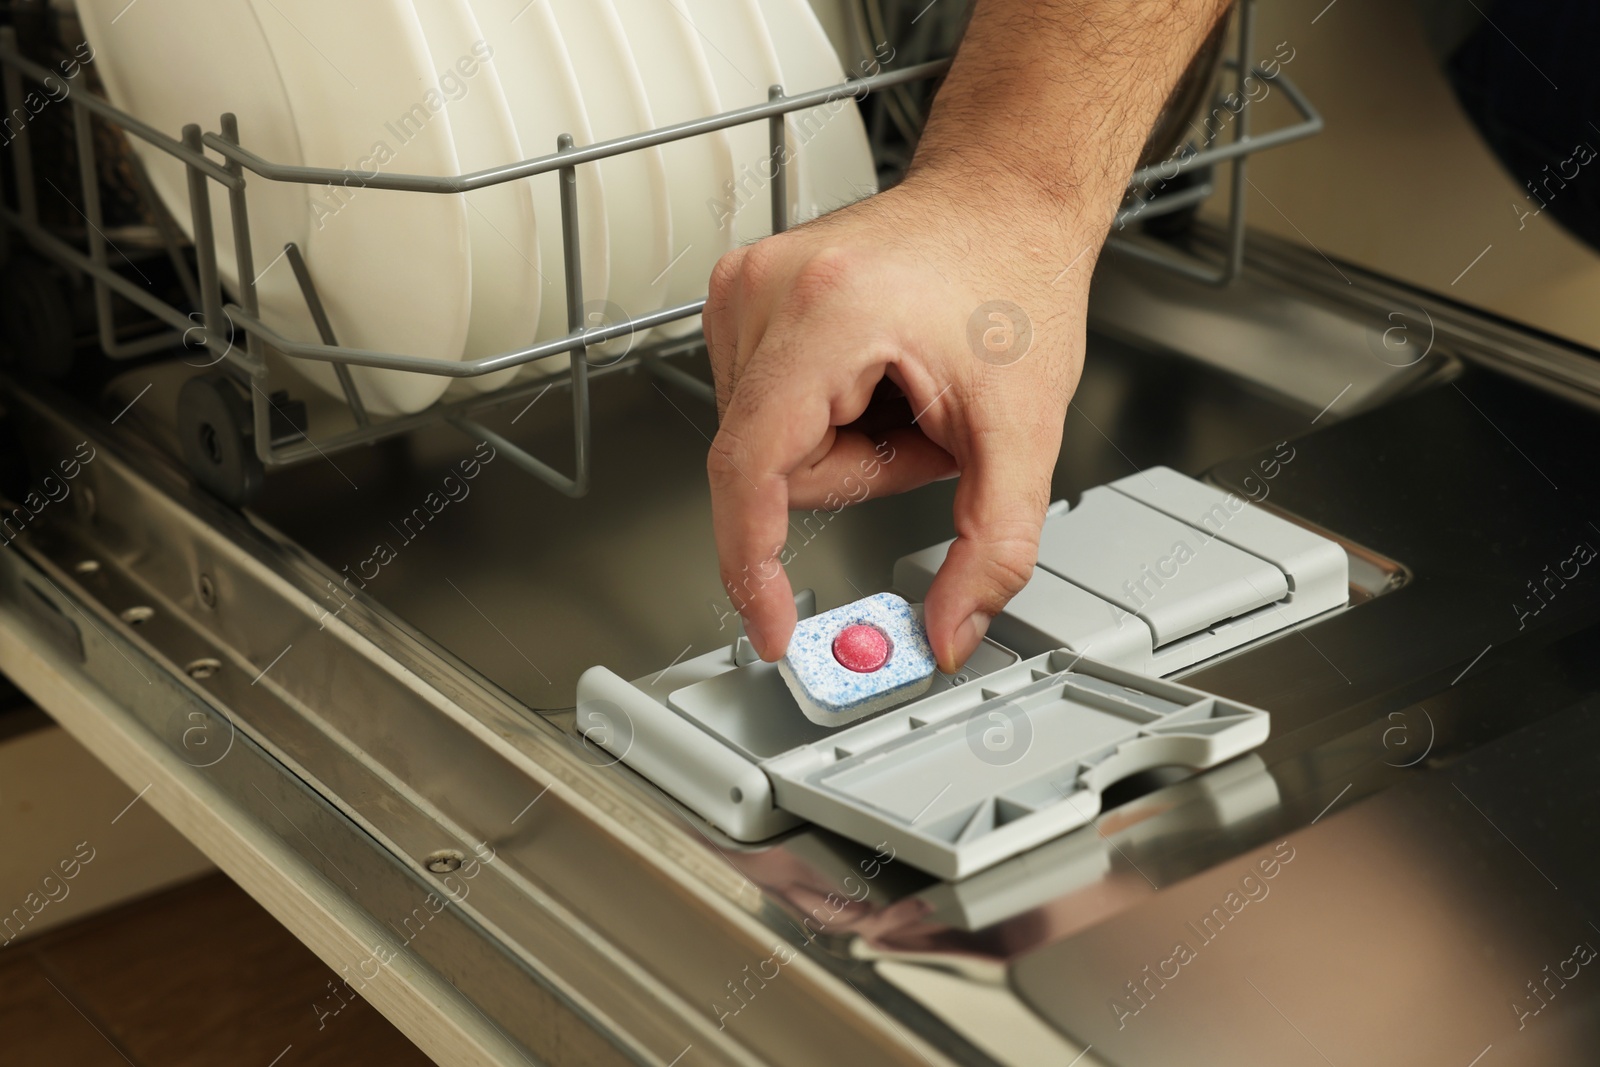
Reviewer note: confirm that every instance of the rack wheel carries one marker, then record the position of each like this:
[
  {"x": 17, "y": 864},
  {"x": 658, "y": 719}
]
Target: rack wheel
[
  {"x": 36, "y": 322},
  {"x": 215, "y": 432}
]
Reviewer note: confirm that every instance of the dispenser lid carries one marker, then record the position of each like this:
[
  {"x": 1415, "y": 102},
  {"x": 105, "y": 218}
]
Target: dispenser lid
[
  {"x": 1177, "y": 578},
  {"x": 964, "y": 778}
]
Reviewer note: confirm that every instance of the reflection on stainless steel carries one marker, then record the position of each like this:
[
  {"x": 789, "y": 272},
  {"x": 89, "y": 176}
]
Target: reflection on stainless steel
[
  {"x": 1212, "y": 801},
  {"x": 1406, "y": 930},
  {"x": 1430, "y": 765},
  {"x": 1332, "y": 349}
]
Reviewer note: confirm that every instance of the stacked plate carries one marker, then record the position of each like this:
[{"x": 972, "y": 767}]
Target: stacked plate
[{"x": 447, "y": 87}]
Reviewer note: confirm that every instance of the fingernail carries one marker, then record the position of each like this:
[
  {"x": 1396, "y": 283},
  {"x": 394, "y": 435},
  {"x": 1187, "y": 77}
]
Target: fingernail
[{"x": 968, "y": 636}]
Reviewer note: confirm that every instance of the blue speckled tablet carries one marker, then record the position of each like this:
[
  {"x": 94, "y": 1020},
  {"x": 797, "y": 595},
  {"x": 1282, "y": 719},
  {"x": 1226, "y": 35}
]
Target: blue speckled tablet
[{"x": 831, "y": 693}]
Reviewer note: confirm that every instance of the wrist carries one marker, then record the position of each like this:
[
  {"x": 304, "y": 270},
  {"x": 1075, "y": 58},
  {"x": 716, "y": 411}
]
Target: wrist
[{"x": 1050, "y": 229}]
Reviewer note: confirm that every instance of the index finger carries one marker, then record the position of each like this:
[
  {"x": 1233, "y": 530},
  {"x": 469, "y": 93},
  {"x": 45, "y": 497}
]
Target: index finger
[{"x": 771, "y": 427}]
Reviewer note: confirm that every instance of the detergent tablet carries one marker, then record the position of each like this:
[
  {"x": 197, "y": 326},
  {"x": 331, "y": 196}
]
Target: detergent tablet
[{"x": 857, "y": 659}]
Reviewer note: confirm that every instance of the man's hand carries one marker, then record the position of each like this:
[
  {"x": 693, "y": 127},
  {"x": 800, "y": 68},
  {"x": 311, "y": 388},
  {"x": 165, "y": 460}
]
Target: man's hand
[
  {"x": 803, "y": 327},
  {"x": 965, "y": 287}
]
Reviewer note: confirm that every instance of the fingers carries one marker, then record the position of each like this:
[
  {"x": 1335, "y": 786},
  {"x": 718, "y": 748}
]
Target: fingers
[
  {"x": 764, "y": 461},
  {"x": 750, "y": 515},
  {"x": 789, "y": 392},
  {"x": 859, "y": 466},
  {"x": 999, "y": 513},
  {"x": 773, "y": 422},
  {"x": 720, "y": 321},
  {"x": 740, "y": 295},
  {"x": 790, "y": 395},
  {"x": 887, "y": 410}
]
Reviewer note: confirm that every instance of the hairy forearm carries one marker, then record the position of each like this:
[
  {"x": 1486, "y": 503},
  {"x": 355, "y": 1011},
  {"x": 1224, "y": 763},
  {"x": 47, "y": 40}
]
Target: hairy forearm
[{"x": 1050, "y": 101}]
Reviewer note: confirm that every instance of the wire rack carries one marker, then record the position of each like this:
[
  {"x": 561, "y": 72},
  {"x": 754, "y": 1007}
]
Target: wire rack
[{"x": 229, "y": 444}]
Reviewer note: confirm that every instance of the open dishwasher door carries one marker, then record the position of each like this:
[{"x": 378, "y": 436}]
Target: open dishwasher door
[
  {"x": 487, "y": 748},
  {"x": 405, "y": 781}
]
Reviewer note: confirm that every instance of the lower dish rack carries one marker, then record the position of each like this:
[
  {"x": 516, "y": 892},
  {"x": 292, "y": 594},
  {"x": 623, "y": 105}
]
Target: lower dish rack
[{"x": 234, "y": 423}]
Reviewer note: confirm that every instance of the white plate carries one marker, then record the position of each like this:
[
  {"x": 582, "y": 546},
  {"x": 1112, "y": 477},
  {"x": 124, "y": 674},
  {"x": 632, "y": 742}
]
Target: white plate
[
  {"x": 744, "y": 63},
  {"x": 677, "y": 76},
  {"x": 394, "y": 269},
  {"x": 638, "y": 210},
  {"x": 505, "y": 248},
  {"x": 830, "y": 142},
  {"x": 186, "y": 61},
  {"x": 536, "y": 72}
]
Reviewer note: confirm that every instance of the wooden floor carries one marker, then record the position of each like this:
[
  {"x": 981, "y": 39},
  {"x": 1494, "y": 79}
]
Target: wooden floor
[{"x": 198, "y": 975}]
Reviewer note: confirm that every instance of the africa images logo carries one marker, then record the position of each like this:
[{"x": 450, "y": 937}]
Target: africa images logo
[{"x": 999, "y": 333}]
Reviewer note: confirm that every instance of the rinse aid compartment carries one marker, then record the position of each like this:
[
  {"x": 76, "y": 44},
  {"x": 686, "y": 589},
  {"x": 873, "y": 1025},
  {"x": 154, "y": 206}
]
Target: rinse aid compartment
[
  {"x": 1157, "y": 572},
  {"x": 1146, "y": 576}
]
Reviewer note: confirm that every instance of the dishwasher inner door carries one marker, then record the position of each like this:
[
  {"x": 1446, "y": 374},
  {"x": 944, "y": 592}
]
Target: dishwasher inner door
[{"x": 398, "y": 653}]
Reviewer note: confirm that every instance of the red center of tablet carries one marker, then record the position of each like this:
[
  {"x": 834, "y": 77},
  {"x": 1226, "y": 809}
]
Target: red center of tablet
[{"x": 861, "y": 648}]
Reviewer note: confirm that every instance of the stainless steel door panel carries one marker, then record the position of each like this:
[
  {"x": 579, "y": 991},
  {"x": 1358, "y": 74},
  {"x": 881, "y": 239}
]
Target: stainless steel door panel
[{"x": 407, "y": 712}]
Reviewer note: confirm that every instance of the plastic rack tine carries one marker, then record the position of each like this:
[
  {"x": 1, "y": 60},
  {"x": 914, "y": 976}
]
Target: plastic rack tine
[
  {"x": 254, "y": 360},
  {"x": 205, "y": 245},
  {"x": 105, "y": 316},
  {"x": 578, "y": 484},
  {"x": 240, "y": 216},
  {"x": 1241, "y": 132},
  {"x": 573, "y": 262},
  {"x": 96, "y": 236},
  {"x": 777, "y": 135},
  {"x": 319, "y": 315}
]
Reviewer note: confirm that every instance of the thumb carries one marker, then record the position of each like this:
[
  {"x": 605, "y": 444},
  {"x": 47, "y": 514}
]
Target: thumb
[{"x": 999, "y": 513}]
